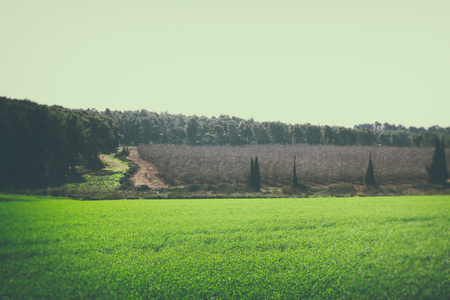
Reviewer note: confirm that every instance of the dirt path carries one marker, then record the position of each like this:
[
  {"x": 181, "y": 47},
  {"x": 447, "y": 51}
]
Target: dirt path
[{"x": 147, "y": 174}]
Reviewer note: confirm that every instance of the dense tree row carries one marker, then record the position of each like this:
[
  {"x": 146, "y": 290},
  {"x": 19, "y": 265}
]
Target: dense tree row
[
  {"x": 152, "y": 128},
  {"x": 40, "y": 141}
]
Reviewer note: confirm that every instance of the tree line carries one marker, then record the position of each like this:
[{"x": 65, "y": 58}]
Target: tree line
[
  {"x": 38, "y": 141},
  {"x": 142, "y": 126}
]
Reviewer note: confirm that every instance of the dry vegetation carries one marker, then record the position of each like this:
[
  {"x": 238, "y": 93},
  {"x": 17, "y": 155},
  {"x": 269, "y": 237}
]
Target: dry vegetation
[{"x": 319, "y": 164}]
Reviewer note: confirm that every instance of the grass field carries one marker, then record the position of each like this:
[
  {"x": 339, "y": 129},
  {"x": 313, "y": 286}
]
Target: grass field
[{"x": 364, "y": 248}]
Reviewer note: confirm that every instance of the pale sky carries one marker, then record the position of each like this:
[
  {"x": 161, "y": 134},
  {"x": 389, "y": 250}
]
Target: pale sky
[{"x": 327, "y": 62}]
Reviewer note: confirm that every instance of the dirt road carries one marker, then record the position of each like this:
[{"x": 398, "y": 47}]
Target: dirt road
[{"x": 147, "y": 174}]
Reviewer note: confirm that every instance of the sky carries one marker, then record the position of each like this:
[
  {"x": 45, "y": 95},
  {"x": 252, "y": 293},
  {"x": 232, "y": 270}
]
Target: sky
[{"x": 326, "y": 62}]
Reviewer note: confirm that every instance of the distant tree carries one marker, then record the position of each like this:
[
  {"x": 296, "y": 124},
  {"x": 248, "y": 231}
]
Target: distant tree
[
  {"x": 369, "y": 180},
  {"x": 150, "y": 131},
  {"x": 297, "y": 135},
  {"x": 251, "y": 176},
  {"x": 438, "y": 170},
  {"x": 387, "y": 126},
  {"x": 233, "y": 135},
  {"x": 219, "y": 135},
  {"x": 429, "y": 139},
  {"x": 365, "y": 137},
  {"x": 260, "y": 134},
  {"x": 312, "y": 134},
  {"x": 257, "y": 175},
  {"x": 295, "y": 183},
  {"x": 364, "y": 126},
  {"x": 395, "y": 140},
  {"x": 384, "y": 139},
  {"x": 178, "y": 135},
  {"x": 327, "y": 136},
  {"x": 413, "y": 129},
  {"x": 246, "y": 133},
  {"x": 279, "y": 133},
  {"x": 192, "y": 130},
  {"x": 416, "y": 140},
  {"x": 347, "y": 136},
  {"x": 254, "y": 179}
]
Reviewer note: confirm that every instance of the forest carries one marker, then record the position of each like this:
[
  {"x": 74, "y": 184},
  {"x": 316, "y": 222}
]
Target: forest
[
  {"x": 142, "y": 126},
  {"x": 39, "y": 141}
]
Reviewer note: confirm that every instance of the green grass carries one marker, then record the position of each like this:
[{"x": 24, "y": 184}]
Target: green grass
[
  {"x": 363, "y": 248},
  {"x": 114, "y": 164},
  {"x": 105, "y": 179},
  {"x": 101, "y": 184}
]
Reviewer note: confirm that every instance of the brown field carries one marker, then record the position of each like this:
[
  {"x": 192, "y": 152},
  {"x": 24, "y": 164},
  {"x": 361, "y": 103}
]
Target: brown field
[{"x": 316, "y": 164}]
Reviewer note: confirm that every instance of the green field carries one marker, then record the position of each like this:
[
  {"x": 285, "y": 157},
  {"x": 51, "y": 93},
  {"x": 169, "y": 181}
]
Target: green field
[{"x": 365, "y": 248}]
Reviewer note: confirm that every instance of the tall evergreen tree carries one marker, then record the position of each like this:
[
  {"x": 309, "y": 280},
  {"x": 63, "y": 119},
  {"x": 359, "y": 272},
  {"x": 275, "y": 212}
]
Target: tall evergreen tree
[
  {"x": 257, "y": 176},
  {"x": 251, "y": 176},
  {"x": 295, "y": 183},
  {"x": 438, "y": 170},
  {"x": 254, "y": 179},
  {"x": 370, "y": 176}
]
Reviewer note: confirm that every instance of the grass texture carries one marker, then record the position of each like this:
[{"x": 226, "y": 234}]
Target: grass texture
[
  {"x": 329, "y": 248},
  {"x": 101, "y": 184}
]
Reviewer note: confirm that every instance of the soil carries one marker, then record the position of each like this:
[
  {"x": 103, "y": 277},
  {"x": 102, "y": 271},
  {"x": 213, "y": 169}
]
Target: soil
[{"x": 147, "y": 174}]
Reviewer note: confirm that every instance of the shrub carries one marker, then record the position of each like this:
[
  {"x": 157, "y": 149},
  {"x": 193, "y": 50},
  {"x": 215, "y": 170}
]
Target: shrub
[
  {"x": 227, "y": 189},
  {"x": 193, "y": 188},
  {"x": 125, "y": 151},
  {"x": 95, "y": 163},
  {"x": 125, "y": 183},
  {"x": 142, "y": 188},
  {"x": 301, "y": 189},
  {"x": 341, "y": 189}
]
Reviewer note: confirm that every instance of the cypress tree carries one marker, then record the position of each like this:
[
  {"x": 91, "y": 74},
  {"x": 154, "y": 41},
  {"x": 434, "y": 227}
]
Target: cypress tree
[
  {"x": 438, "y": 170},
  {"x": 251, "y": 177},
  {"x": 370, "y": 176},
  {"x": 295, "y": 183},
  {"x": 254, "y": 179},
  {"x": 257, "y": 186}
]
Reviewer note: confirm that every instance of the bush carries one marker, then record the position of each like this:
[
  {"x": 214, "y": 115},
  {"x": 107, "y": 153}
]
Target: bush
[
  {"x": 301, "y": 188},
  {"x": 194, "y": 188},
  {"x": 125, "y": 183},
  {"x": 228, "y": 189},
  {"x": 95, "y": 163},
  {"x": 341, "y": 189},
  {"x": 142, "y": 188}
]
